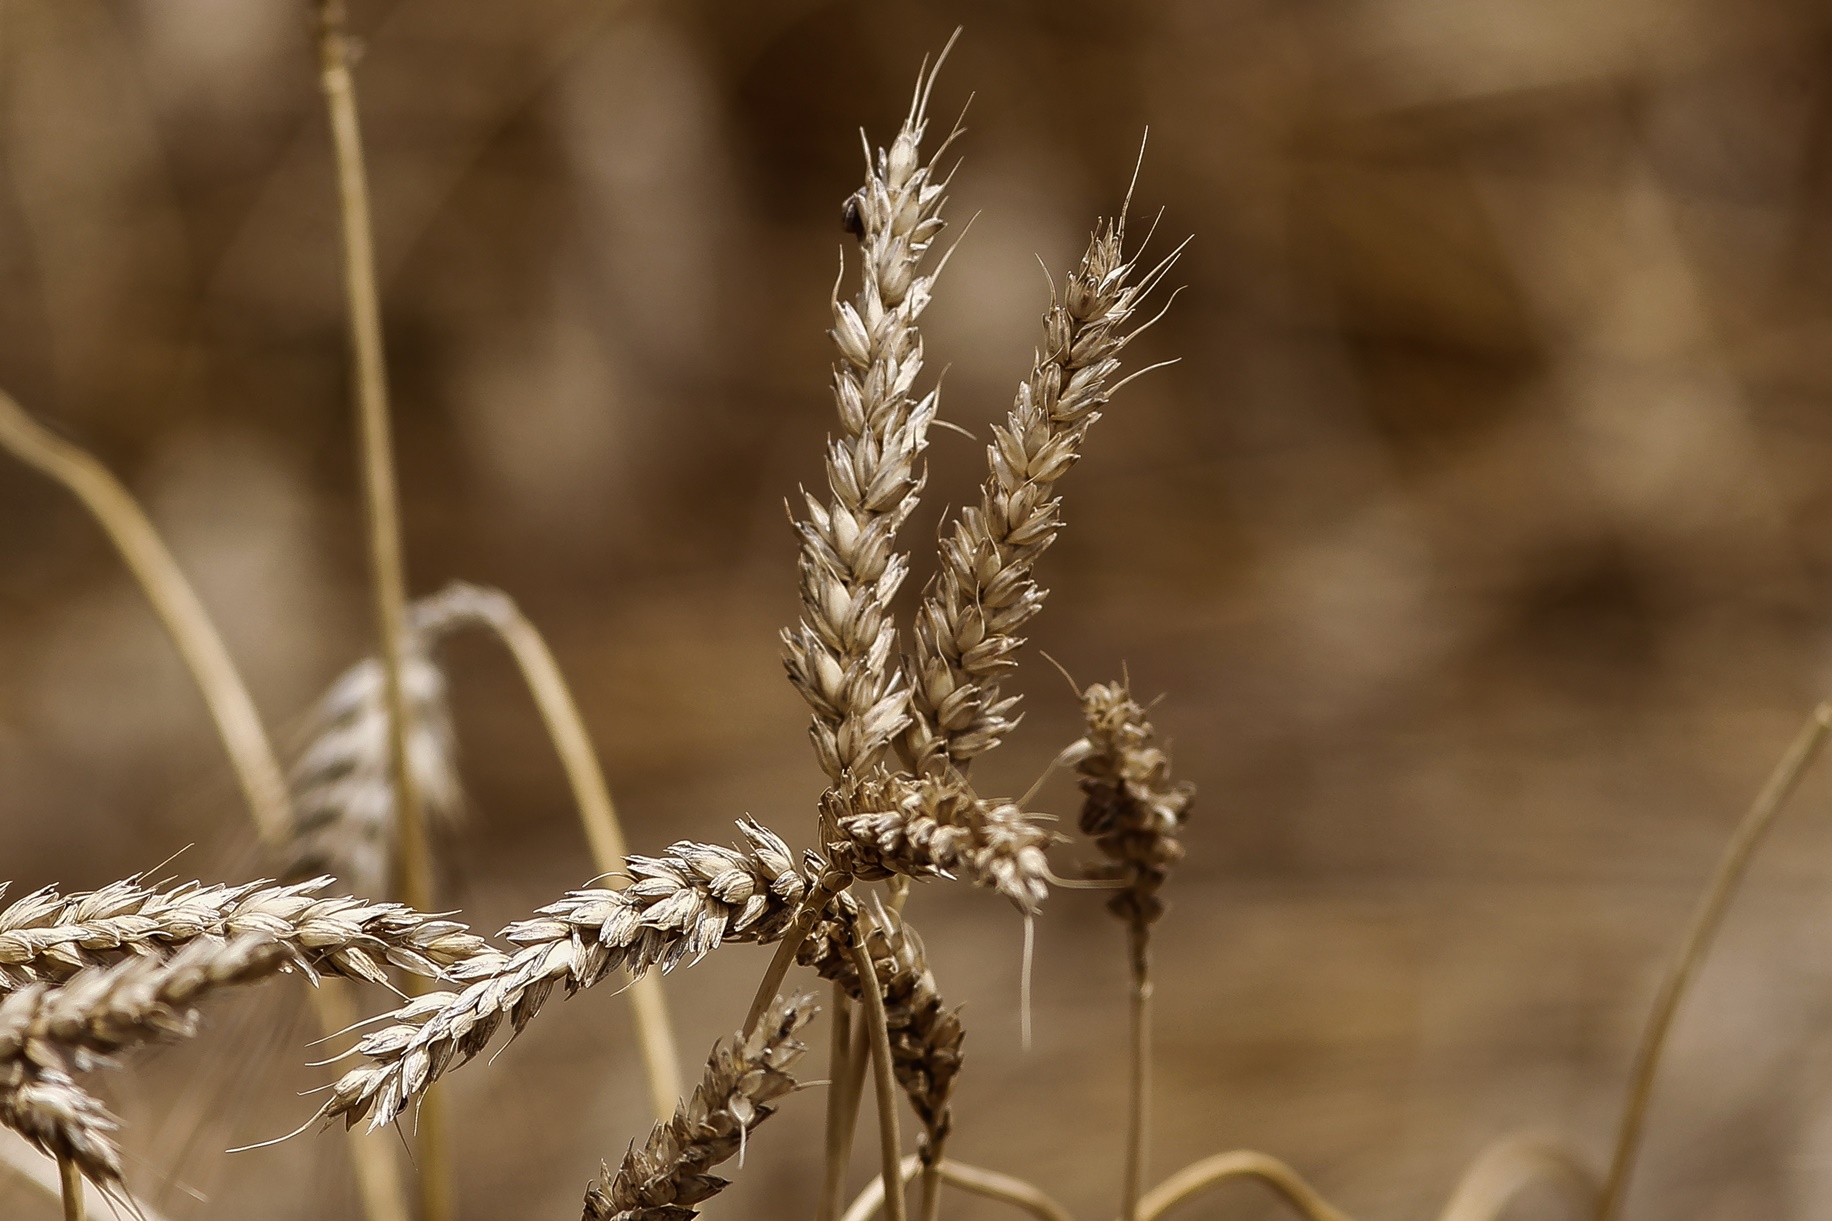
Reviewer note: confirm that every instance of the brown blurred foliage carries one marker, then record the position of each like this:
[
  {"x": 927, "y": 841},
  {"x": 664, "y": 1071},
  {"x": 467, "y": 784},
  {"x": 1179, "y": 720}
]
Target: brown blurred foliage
[{"x": 1480, "y": 540}]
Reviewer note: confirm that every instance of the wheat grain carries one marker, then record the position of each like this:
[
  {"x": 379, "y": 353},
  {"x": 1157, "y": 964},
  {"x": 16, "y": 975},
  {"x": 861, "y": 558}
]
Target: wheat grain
[
  {"x": 680, "y": 905},
  {"x": 671, "y": 1172},
  {"x": 46, "y": 936},
  {"x": 966, "y": 628},
  {"x": 840, "y": 657}
]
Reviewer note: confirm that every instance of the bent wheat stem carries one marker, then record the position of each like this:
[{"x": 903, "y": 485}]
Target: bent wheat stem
[
  {"x": 1506, "y": 1168},
  {"x": 388, "y": 575},
  {"x": 597, "y": 812},
  {"x": 245, "y": 741},
  {"x": 1697, "y": 944},
  {"x": 989, "y": 1184},
  {"x": 1211, "y": 1172}
]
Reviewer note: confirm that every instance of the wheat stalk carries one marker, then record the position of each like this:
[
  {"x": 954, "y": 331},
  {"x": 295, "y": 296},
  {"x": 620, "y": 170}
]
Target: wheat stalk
[
  {"x": 679, "y": 906},
  {"x": 671, "y": 1173}
]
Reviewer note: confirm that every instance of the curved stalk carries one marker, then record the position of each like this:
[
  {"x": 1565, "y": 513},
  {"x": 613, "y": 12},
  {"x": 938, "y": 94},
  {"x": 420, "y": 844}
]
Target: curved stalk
[
  {"x": 989, "y": 1184},
  {"x": 1211, "y": 1172},
  {"x": 245, "y": 741},
  {"x": 383, "y": 513},
  {"x": 1697, "y": 944},
  {"x": 1508, "y": 1167}
]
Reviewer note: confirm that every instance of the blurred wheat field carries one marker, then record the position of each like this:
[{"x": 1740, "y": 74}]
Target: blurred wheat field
[{"x": 1477, "y": 542}]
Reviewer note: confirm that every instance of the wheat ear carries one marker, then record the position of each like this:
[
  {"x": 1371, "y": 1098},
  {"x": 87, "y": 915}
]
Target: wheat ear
[
  {"x": 679, "y": 906},
  {"x": 1722, "y": 887},
  {"x": 1134, "y": 812},
  {"x": 387, "y": 570},
  {"x": 47, "y": 1030},
  {"x": 671, "y": 1173},
  {"x": 966, "y": 637},
  {"x": 841, "y": 655}
]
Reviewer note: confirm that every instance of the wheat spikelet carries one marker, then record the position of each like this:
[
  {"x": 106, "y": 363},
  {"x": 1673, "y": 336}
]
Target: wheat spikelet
[
  {"x": 966, "y": 628},
  {"x": 48, "y": 936},
  {"x": 1133, "y": 809},
  {"x": 46, "y": 1030},
  {"x": 680, "y": 905},
  {"x": 344, "y": 818},
  {"x": 672, "y": 1171},
  {"x": 841, "y": 656},
  {"x": 925, "y": 1036}
]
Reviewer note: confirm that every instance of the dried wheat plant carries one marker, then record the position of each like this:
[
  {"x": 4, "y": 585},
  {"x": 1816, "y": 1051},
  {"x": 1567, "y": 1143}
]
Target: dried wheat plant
[{"x": 899, "y": 717}]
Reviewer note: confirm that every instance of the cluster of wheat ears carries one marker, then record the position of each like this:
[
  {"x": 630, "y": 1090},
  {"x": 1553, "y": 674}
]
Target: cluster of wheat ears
[{"x": 898, "y": 719}]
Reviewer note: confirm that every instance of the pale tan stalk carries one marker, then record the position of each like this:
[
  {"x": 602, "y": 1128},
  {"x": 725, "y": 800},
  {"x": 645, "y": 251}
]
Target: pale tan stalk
[
  {"x": 989, "y": 1184},
  {"x": 1138, "y": 1101},
  {"x": 1211, "y": 1172},
  {"x": 884, "y": 1085},
  {"x": 387, "y": 568},
  {"x": 1697, "y": 944},
  {"x": 245, "y": 741},
  {"x": 831, "y": 883},
  {"x": 1508, "y": 1167},
  {"x": 838, "y": 1140},
  {"x": 70, "y": 1184},
  {"x": 603, "y": 830}
]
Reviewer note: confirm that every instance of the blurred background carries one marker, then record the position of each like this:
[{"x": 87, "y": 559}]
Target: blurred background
[{"x": 1480, "y": 544}]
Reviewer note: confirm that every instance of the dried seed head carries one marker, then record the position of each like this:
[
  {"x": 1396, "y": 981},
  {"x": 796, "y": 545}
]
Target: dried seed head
[
  {"x": 671, "y": 1172},
  {"x": 46, "y": 936},
  {"x": 925, "y": 1036},
  {"x": 679, "y": 906},
  {"x": 966, "y": 635},
  {"x": 935, "y": 826},
  {"x": 1133, "y": 809},
  {"x": 840, "y": 655}
]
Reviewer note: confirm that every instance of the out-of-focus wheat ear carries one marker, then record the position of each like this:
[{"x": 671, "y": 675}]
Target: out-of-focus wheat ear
[
  {"x": 464, "y": 605},
  {"x": 841, "y": 657},
  {"x": 1134, "y": 812},
  {"x": 672, "y": 1171},
  {"x": 345, "y": 818},
  {"x": 966, "y": 632}
]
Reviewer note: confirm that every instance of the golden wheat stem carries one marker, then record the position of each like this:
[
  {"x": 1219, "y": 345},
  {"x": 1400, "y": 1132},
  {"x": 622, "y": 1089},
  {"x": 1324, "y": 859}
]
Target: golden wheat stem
[
  {"x": 603, "y": 830},
  {"x": 838, "y": 1144},
  {"x": 387, "y": 567},
  {"x": 1505, "y": 1169},
  {"x": 1138, "y": 1095},
  {"x": 200, "y": 645},
  {"x": 1697, "y": 944},
  {"x": 989, "y": 1184},
  {"x": 931, "y": 1191},
  {"x": 884, "y": 1081},
  {"x": 830, "y": 883},
  {"x": 70, "y": 1184},
  {"x": 245, "y": 741},
  {"x": 1211, "y": 1172}
]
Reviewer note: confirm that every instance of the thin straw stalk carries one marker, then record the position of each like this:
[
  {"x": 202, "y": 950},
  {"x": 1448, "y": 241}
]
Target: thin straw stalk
[
  {"x": 1211, "y": 1172},
  {"x": 1697, "y": 944},
  {"x": 498, "y": 612},
  {"x": 988, "y": 1184},
  {"x": 841, "y": 1100},
  {"x": 245, "y": 741},
  {"x": 1510, "y": 1166},
  {"x": 884, "y": 1083},
  {"x": 1138, "y": 1099},
  {"x": 387, "y": 568}
]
